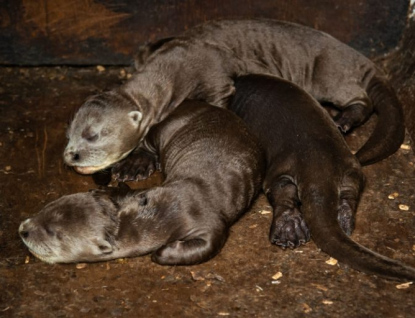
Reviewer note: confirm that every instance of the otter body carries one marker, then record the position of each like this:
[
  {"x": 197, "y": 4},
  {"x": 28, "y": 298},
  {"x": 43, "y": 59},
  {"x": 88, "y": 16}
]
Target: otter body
[
  {"x": 309, "y": 168},
  {"x": 201, "y": 63},
  {"x": 213, "y": 170}
]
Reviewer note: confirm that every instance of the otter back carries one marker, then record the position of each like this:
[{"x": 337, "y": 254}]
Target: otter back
[{"x": 311, "y": 179}]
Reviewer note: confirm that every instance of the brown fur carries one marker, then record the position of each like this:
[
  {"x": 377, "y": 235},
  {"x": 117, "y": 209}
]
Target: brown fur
[
  {"x": 311, "y": 173},
  {"x": 213, "y": 170},
  {"x": 201, "y": 63}
]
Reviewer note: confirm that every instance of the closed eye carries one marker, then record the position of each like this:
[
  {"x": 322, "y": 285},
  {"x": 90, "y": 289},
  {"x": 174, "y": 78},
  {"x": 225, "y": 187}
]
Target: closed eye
[
  {"x": 92, "y": 138},
  {"x": 89, "y": 135},
  {"x": 49, "y": 231}
]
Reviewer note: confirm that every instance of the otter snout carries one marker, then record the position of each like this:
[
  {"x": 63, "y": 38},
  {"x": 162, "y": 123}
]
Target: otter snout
[
  {"x": 25, "y": 228},
  {"x": 36, "y": 238},
  {"x": 74, "y": 159},
  {"x": 31, "y": 231},
  {"x": 86, "y": 161}
]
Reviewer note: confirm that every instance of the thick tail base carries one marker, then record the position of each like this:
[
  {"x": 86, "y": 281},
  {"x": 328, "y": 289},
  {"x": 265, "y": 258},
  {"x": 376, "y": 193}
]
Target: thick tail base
[{"x": 389, "y": 132}]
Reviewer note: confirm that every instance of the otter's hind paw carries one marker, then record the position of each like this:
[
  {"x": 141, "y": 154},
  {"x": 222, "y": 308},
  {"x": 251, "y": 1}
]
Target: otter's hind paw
[
  {"x": 346, "y": 218},
  {"x": 289, "y": 229}
]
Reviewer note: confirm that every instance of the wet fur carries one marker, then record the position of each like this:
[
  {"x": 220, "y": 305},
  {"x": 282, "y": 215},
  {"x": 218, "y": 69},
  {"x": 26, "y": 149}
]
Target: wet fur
[
  {"x": 311, "y": 175},
  {"x": 213, "y": 170}
]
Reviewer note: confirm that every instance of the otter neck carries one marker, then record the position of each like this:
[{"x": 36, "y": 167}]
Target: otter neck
[
  {"x": 143, "y": 230},
  {"x": 154, "y": 95}
]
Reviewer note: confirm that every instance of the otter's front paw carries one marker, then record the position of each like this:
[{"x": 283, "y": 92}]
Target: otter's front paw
[
  {"x": 352, "y": 116},
  {"x": 343, "y": 124},
  {"x": 289, "y": 229},
  {"x": 137, "y": 166}
]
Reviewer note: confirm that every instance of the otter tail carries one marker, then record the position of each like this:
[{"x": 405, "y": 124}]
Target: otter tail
[
  {"x": 389, "y": 132},
  {"x": 320, "y": 212}
]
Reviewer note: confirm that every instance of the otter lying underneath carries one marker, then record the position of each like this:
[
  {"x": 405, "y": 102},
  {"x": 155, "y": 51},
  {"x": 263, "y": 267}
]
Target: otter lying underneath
[
  {"x": 214, "y": 169},
  {"x": 309, "y": 168}
]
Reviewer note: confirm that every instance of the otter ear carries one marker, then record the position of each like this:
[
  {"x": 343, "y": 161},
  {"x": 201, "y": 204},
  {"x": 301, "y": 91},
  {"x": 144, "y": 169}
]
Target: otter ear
[
  {"x": 135, "y": 117},
  {"x": 103, "y": 246}
]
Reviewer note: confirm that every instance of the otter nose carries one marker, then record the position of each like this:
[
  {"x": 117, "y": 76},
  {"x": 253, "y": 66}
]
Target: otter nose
[
  {"x": 23, "y": 229},
  {"x": 75, "y": 156},
  {"x": 72, "y": 156}
]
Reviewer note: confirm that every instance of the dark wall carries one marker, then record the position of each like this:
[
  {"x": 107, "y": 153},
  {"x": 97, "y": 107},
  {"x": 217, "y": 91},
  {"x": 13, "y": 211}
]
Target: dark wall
[
  {"x": 401, "y": 66},
  {"x": 43, "y": 32}
]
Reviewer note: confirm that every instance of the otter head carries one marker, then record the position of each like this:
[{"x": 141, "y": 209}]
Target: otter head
[
  {"x": 74, "y": 228},
  {"x": 147, "y": 221},
  {"x": 104, "y": 130}
]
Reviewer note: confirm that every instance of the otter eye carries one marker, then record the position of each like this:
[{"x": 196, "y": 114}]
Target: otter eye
[
  {"x": 92, "y": 138},
  {"x": 49, "y": 231},
  {"x": 89, "y": 135}
]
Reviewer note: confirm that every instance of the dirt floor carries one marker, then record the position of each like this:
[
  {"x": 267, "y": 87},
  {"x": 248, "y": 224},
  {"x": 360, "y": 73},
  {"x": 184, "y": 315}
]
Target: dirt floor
[{"x": 35, "y": 107}]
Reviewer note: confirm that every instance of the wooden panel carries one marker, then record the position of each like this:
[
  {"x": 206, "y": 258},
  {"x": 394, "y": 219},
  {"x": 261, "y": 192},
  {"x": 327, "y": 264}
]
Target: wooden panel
[{"x": 34, "y": 32}]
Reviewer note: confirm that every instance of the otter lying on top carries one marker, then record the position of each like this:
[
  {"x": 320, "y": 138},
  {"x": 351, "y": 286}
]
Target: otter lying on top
[{"x": 201, "y": 63}]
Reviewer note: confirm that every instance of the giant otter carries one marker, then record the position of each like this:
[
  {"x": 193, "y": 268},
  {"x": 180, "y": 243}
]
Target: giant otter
[
  {"x": 201, "y": 63},
  {"x": 213, "y": 170},
  {"x": 311, "y": 175}
]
